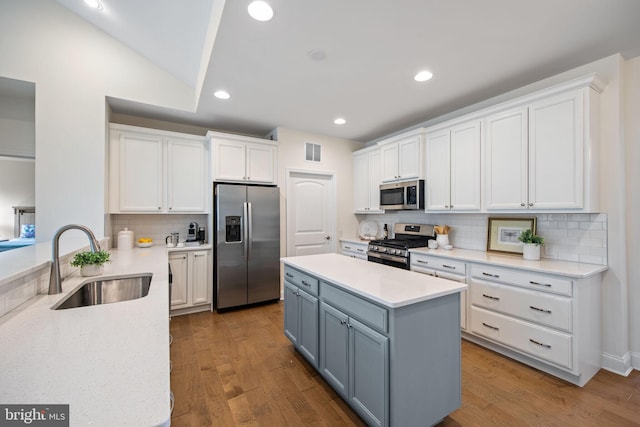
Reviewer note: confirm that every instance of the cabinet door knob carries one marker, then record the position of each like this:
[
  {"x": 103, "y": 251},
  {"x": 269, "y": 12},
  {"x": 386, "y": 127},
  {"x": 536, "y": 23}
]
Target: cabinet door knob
[
  {"x": 523, "y": 204},
  {"x": 530, "y": 204}
]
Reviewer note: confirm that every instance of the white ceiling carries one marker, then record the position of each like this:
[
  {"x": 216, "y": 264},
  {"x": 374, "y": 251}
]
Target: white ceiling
[{"x": 476, "y": 50}]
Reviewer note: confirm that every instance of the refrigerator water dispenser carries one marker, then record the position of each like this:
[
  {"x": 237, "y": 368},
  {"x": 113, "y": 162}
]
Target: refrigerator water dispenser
[{"x": 233, "y": 232}]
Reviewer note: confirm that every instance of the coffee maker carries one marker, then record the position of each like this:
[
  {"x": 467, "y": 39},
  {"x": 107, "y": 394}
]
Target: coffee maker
[{"x": 192, "y": 234}]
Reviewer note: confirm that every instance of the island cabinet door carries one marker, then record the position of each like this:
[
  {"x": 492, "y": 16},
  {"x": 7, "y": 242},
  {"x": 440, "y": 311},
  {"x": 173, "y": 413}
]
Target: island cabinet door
[
  {"x": 368, "y": 373},
  {"x": 291, "y": 312},
  {"x": 308, "y": 327},
  {"x": 334, "y": 347}
]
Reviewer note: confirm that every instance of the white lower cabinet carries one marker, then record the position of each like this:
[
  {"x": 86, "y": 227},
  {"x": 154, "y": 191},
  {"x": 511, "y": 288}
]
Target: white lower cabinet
[
  {"x": 354, "y": 249},
  {"x": 547, "y": 321},
  {"x": 444, "y": 268},
  {"x": 191, "y": 287}
]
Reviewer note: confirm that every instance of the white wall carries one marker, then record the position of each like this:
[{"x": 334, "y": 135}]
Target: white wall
[
  {"x": 74, "y": 66},
  {"x": 17, "y": 188},
  {"x": 632, "y": 137},
  {"x": 336, "y": 157},
  {"x": 17, "y": 127}
]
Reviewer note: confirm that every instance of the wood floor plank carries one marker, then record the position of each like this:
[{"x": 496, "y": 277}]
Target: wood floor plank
[{"x": 238, "y": 368}]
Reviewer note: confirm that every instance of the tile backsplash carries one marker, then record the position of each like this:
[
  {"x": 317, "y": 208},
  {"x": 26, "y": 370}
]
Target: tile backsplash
[
  {"x": 567, "y": 236},
  {"x": 156, "y": 226}
]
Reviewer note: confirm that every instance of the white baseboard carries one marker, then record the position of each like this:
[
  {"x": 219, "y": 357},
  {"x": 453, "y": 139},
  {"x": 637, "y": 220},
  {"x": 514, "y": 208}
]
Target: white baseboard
[
  {"x": 619, "y": 365},
  {"x": 635, "y": 360}
]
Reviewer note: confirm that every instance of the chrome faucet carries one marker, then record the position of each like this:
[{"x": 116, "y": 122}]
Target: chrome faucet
[{"x": 55, "y": 281}]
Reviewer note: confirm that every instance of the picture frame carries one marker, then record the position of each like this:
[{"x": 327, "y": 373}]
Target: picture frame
[{"x": 503, "y": 233}]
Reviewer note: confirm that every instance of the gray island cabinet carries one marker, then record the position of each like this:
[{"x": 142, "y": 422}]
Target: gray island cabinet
[{"x": 387, "y": 340}]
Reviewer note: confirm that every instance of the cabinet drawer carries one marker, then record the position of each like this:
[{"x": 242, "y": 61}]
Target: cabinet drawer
[
  {"x": 368, "y": 313},
  {"x": 302, "y": 280},
  {"x": 537, "y": 341},
  {"x": 527, "y": 279},
  {"x": 421, "y": 261},
  {"x": 543, "y": 308}
]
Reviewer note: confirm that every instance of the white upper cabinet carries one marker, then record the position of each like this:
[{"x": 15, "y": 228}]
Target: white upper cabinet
[
  {"x": 153, "y": 171},
  {"x": 453, "y": 168},
  {"x": 542, "y": 155},
  {"x": 366, "y": 181},
  {"x": 506, "y": 157},
  {"x": 236, "y": 158},
  {"x": 402, "y": 156}
]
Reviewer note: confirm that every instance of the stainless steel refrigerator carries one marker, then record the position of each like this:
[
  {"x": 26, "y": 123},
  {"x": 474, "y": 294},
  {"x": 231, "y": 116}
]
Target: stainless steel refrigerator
[{"x": 247, "y": 245}]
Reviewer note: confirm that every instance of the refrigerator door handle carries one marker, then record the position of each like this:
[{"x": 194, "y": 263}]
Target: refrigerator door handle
[
  {"x": 249, "y": 229},
  {"x": 245, "y": 231}
]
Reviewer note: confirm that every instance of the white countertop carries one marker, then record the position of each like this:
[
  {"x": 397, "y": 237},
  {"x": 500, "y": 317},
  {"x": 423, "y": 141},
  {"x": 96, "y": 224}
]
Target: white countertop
[
  {"x": 354, "y": 240},
  {"x": 388, "y": 286},
  {"x": 109, "y": 362},
  {"x": 564, "y": 268}
]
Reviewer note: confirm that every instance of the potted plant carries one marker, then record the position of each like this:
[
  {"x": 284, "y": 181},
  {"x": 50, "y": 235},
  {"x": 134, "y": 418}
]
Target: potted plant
[
  {"x": 532, "y": 243},
  {"x": 91, "y": 263}
]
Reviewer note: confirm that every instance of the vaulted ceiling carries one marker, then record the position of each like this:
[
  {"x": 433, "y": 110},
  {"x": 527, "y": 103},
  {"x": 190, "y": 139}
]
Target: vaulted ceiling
[{"x": 356, "y": 59}]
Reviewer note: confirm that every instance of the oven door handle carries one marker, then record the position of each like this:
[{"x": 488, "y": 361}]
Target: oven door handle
[{"x": 388, "y": 257}]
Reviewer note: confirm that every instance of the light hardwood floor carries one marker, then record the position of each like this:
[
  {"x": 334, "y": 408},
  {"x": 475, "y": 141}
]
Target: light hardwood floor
[{"x": 238, "y": 369}]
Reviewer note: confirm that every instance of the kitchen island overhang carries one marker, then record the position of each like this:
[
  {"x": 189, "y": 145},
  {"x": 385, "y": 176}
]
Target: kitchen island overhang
[{"x": 411, "y": 321}]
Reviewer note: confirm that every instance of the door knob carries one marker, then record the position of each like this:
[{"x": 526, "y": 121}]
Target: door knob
[{"x": 328, "y": 237}]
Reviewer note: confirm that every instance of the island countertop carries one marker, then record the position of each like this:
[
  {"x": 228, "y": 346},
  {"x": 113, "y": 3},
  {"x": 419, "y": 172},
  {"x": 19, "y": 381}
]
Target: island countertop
[
  {"x": 388, "y": 286},
  {"x": 109, "y": 362}
]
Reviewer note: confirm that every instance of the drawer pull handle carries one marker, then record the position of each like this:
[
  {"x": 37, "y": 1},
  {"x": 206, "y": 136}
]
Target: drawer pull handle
[
  {"x": 306, "y": 284},
  {"x": 422, "y": 261},
  {"x": 490, "y": 275},
  {"x": 289, "y": 275},
  {"x": 539, "y": 343},
  {"x": 360, "y": 250},
  {"x": 548, "y": 285},
  {"x": 449, "y": 266},
  {"x": 347, "y": 247},
  {"x": 491, "y": 297},
  {"x": 542, "y": 310},
  {"x": 495, "y": 328}
]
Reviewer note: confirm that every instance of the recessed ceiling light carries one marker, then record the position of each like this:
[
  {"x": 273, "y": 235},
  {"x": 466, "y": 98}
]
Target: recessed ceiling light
[
  {"x": 221, "y": 94},
  {"x": 317, "y": 54},
  {"x": 95, "y": 4},
  {"x": 423, "y": 76},
  {"x": 339, "y": 121},
  {"x": 260, "y": 10}
]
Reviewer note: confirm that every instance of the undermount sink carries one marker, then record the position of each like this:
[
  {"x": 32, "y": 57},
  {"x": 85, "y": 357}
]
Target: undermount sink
[{"x": 107, "y": 290}]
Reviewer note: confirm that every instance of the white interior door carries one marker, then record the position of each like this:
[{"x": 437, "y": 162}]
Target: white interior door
[{"x": 311, "y": 213}]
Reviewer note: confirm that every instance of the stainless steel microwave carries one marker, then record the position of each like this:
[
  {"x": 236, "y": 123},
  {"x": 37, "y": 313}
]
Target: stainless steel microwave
[{"x": 407, "y": 195}]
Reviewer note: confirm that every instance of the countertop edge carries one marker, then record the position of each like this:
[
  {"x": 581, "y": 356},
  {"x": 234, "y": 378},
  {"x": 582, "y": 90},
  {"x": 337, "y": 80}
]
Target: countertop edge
[{"x": 545, "y": 265}]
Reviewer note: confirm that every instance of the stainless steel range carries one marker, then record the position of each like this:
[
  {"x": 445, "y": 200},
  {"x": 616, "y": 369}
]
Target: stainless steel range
[{"x": 395, "y": 252}]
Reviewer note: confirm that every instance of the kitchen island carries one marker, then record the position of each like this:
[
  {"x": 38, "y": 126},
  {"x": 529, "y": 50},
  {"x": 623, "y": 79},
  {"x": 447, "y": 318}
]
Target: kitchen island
[
  {"x": 109, "y": 363},
  {"x": 386, "y": 339}
]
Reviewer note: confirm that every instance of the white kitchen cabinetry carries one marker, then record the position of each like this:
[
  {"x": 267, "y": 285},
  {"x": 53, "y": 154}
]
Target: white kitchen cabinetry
[
  {"x": 191, "y": 288},
  {"x": 366, "y": 180},
  {"x": 402, "y": 156},
  {"x": 236, "y": 158},
  {"x": 453, "y": 168},
  {"x": 550, "y": 322},
  {"x": 153, "y": 171},
  {"x": 444, "y": 268},
  {"x": 354, "y": 249},
  {"x": 542, "y": 154}
]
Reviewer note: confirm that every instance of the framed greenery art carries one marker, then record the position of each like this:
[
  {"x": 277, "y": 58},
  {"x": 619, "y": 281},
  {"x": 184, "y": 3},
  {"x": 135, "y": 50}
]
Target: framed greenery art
[{"x": 503, "y": 233}]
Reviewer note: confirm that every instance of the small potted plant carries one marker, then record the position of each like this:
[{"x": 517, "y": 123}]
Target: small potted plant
[
  {"x": 532, "y": 243},
  {"x": 91, "y": 263}
]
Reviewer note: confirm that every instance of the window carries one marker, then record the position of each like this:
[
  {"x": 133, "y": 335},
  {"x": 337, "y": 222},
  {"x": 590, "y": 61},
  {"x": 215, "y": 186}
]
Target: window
[{"x": 312, "y": 152}]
